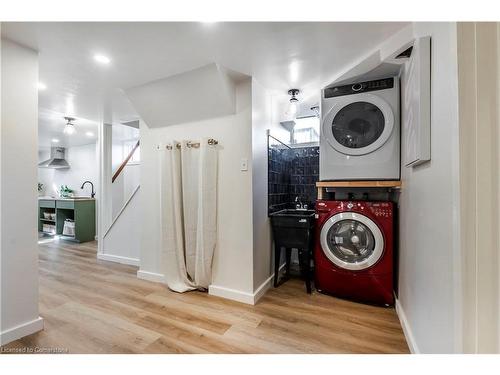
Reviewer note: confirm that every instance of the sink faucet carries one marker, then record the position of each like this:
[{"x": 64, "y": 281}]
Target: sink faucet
[
  {"x": 92, "y": 195},
  {"x": 299, "y": 205}
]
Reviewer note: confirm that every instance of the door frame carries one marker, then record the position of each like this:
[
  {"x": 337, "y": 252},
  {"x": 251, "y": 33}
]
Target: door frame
[{"x": 478, "y": 55}]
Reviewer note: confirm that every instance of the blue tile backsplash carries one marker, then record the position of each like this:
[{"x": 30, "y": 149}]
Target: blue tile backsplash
[{"x": 292, "y": 172}]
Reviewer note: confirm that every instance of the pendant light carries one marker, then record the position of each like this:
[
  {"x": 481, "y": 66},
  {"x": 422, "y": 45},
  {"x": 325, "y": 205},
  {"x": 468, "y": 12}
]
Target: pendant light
[
  {"x": 69, "y": 128},
  {"x": 293, "y": 107}
]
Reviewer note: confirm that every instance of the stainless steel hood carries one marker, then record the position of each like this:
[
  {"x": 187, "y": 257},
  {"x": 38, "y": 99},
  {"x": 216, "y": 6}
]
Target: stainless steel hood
[{"x": 57, "y": 160}]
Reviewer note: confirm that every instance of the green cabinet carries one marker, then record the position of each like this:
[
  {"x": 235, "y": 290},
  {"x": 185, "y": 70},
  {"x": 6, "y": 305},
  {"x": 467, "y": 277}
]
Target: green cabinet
[
  {"x": 47, "y": 203},
  {"x": 54, "y": 212},
  {"x": 69, "y": 205}
]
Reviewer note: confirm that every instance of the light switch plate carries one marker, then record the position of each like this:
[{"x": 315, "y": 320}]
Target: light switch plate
[{"x": 244, "y": 164}]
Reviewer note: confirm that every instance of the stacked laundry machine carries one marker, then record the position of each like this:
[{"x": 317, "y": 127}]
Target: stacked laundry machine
[
  {"x": 360, "y": 131},
  {"x": 359, "y": 141}
]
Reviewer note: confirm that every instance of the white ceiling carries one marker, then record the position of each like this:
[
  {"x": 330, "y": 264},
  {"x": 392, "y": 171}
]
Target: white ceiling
[
  {"x": 51, "y": 125},
  {"x": 279, "y": 55}
]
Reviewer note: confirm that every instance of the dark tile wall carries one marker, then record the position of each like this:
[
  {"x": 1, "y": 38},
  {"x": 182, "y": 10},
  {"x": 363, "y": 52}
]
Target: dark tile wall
[
  {"x": 278, "y": 191},
  {"x": 292, "y": 172},
  {"x": 304, "y": 174}
]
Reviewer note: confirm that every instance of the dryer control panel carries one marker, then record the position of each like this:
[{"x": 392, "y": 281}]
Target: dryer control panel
[{"x": 356, "y": 88}]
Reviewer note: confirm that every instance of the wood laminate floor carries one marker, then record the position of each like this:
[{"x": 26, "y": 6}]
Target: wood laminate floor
[{"x": 93, "y": 306}]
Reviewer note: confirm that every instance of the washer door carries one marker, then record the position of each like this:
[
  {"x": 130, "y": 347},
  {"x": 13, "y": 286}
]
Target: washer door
[
  {"x": 352, "y": 241},
  {"x": 358, "y": 124}
]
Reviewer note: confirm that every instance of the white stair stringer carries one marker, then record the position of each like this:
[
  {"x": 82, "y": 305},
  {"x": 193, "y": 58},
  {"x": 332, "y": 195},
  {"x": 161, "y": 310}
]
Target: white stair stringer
[{"x": 121, "y": 241}]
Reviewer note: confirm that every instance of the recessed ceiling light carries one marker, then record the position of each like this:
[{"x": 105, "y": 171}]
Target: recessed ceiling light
[
  {"x": 102, "y": 59},
  {"x": 41, "y": 86},
  {"x": 89, "y": 134},
  {"x": 55, "y": 140}
]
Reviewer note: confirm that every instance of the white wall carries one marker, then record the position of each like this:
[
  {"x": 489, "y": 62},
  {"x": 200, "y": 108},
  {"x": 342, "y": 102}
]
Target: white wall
[
  {"x": 267, "y": 110},
  {"x": 131, "y": 179},
  {"x": 83, "y": 166},
  {"x": 123, "y": 187},
  {"x": 262, "y": 238},
  {"x": 18, "y": 194},
  {"x": 232, "y": 266},
  {"x": 429, "y": 259}
]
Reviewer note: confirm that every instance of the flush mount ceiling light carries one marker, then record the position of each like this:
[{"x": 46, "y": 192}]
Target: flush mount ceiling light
[
  {"x": 55, "y": 140},
  {"x": 101, "y": 59},
  {"x": 69, "y": 128},
  {"x": 89, "y": 134},
  {"x": 294, "y": 102},
  {"x": 41, "y": 86}
]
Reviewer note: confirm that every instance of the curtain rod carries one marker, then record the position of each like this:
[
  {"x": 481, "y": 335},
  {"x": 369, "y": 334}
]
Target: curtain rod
[{"x": 211, "y": 142}]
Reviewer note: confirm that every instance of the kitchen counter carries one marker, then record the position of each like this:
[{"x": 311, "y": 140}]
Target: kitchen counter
[{"x": 79, "y": 210}]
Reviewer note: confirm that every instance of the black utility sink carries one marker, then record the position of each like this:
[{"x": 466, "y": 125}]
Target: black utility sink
[
  {"x": 293, "y": 229},
  {"x": 294, "y": 212}
]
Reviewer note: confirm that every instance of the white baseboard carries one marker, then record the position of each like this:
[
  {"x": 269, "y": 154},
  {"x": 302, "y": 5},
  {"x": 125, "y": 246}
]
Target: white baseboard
[
  {"x": 233, "y": 294},
  {"x": 410, "y": 339},
  {"x": 240, "y": 296},
  {"x": 262, "y": 289},
  {"x": 119, "y": 259},
  {"x": 151, "y": 276},
  {"x": 20, "y": 331},
  {"x": 220, "y": 291}
]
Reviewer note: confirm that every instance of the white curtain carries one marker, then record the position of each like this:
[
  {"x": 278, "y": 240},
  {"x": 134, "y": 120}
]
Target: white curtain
[{"x": 188, "y": 197}]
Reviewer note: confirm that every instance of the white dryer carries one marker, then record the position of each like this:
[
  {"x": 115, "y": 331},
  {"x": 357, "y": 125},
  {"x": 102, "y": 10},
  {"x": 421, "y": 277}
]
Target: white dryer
[{"x": 360, "y": 131}]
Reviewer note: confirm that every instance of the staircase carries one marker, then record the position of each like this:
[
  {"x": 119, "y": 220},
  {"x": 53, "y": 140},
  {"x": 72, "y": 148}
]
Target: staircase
[{"x": 121, "y": 239}]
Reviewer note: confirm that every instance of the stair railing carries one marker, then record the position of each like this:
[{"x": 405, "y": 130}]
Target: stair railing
[{"x": 124, "y": 163}]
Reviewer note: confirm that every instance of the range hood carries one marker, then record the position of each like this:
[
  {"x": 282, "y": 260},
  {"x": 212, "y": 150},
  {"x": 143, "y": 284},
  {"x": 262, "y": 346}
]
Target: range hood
[{"x": 57, "y": 160}]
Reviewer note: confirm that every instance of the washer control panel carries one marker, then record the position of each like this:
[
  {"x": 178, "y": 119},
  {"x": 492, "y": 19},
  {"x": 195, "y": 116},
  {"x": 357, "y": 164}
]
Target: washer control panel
[
  {"x": 381, "y": 210},
  {"x": 379, "y": 84},
  {"x": 350, "y": 205}
]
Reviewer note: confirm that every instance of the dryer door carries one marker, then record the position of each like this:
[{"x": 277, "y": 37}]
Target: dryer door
[
  {"x": 352, "y": 241},
  {"x": 358, "y": 124}
]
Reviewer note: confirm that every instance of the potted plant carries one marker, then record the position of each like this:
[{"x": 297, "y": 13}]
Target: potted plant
[
  {"x": 65, "y": 191},
  {"x": 40, "y": 188}
]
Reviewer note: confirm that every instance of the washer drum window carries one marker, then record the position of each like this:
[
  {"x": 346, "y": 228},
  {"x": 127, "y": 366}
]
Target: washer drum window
[{"x": 352, "y": 241}]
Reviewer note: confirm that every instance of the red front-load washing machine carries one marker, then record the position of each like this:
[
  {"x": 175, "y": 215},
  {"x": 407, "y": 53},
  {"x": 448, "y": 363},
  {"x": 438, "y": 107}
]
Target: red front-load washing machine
[{"x": 354, "y": 250}]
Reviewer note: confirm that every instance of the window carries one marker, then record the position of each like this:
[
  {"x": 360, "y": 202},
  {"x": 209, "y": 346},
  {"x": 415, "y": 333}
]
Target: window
[
  {"x": 127, "y": 148},
  {"x": 306, "y": 130}
]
